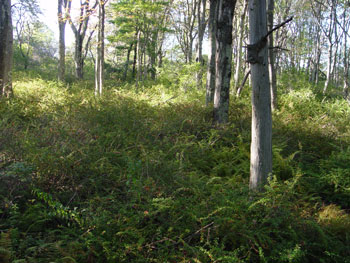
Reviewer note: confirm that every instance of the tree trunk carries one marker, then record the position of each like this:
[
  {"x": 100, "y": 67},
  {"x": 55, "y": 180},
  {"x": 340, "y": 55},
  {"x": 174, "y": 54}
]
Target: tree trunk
[
  {"x": 134, "y": 62},
  {"x": 6, "y": 48},
  {"x": 210, "y": 86},
  {"x": 329, "y": 67},
  {"x": 139, "y": 59},
  {"x": 80, "y": 33},
  {"x": 261, "y": 144},
  {"x": 62, "y": 44},
  {"x": 127, "y": 62},
  {"x": 240, "y": 46},
  {"x": 78, "y": 57},
  {"x": 99, "y": 67},
  {"x": 201, "y": 30},
  {"x": 223, "y": 59},
  {"x": 345, "y": 61},
  {"x": 271, "y": 52}
]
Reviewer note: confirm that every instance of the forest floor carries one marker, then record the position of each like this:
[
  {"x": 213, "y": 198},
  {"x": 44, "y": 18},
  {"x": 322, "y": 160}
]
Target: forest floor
[{"x": 142, "y": 175}]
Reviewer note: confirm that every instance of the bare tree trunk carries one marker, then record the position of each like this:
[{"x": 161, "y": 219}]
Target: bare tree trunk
[
  {"x": 261, "y": 145},
  {"x": 139, "y": 59},
  {"x": 127, "y": 62},
  {"x": 78, "y": 57},
  {"x": 223, "y": 59},
  {"x": 271, "y": 52},
  {"x": 346, "y": 58},
  {"x": 201, "y": 30},
  {"x": 240, "y": 46},
  {"x": 210, "y": 86},
  {"x": 329, "y": 67},
  {"x": 6, "y": 48},
  {"x": 329, "y": 35},
  {"x": 134, "y": 62},
  {"x": 99, "y": 67},
  {"x": 80, "y": 33},
  {"x": 239, "y": 90},
  {"x": 62, "y": 45}
]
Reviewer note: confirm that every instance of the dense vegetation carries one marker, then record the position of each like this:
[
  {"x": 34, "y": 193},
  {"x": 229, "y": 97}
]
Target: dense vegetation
[
  {"x": 142, "y": 175},
  {"x": 133, "y": 144}
]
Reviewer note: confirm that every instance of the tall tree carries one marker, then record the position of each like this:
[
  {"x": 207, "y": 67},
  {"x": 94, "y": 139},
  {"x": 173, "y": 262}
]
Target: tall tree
[
  {"x": 271, "y": 52},
  {"x": 6, "y": 48},
  {"x": 223, "y": 55},
  {"x": 63, "y": 7},
  {"x": 184, "y": 22},
  {"x": 241, "y": 29},
  {"x": 202, "y": 24},
  {"x": 100, "y": 54},
  {"x": 79, "y": 31},
  {"x": 210, "y": 85},
  {"x": 261, "y": 141}
]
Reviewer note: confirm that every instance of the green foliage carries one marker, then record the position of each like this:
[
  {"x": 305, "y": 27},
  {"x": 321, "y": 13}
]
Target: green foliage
[{"x": 142, "y": 175}]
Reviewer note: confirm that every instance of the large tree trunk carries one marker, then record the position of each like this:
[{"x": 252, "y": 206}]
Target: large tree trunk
[
  {"x": 6, "y": 48},
  {"x": 99, "y": 67},
  {"x": 271, "y": 52},
  {"x": 210, "y": 86},
  {"x": 223, "y": 59},
  {"x": 261, "y": 144}
]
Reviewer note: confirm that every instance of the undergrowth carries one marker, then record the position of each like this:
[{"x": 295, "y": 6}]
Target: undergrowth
[{"x": 142, "y": 175}]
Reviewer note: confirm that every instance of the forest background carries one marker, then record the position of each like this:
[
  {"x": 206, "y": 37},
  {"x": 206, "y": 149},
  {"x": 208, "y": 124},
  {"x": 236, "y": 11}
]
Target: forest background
[{"x": 113, "y": 147}]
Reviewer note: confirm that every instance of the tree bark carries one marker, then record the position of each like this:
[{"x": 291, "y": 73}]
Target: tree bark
[
  {"x": 134, "y": 62},
  {"x": 99, "y": 67},
  {"x": 261, "y": 144},
  {"x": 62, "y": 45},
  {"x": 201, "y": 29},
  {"x": 6, "y": 48},
  {"x": 271, "y": 52},
  {"x": 127, "y": 62},
  {"x": 80, "y": 33},
  {"x": 240, "y": 46},
  {"x": 223, "y": 59},
  {"x": 210, "y": 86}
]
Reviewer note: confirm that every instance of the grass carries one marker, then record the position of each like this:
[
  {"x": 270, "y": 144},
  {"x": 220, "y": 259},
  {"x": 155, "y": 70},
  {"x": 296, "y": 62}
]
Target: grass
[{"x": 142, "y": 175}]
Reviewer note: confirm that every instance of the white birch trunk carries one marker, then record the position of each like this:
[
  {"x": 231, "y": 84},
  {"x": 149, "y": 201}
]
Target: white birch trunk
[{"x": 261, "y": 144}]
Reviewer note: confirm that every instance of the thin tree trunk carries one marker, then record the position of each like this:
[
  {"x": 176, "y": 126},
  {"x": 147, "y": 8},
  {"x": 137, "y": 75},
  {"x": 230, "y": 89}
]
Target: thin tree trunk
[
  {"x": 6, "y": 48},
  {"x": 134, "y": 62},
  {"x": 99, "y": 67},
  {"x": 62, "y": 45},
  {"x": 139, "y": 58},
  {"x": 201, "y": 29},
  {"x": 210, "y": 86},
  {"x": 127, "y": 62},
  {"x": 271, "y": 52},
  {"x": 239, "y": 90},
  {"x": 329, "y": 67},
  {"x": 261, "y": 144},
  {"x": 223, "y": 59},
  {"x": 240, "y": 46},
  {"x": 346, "y": 64}
]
